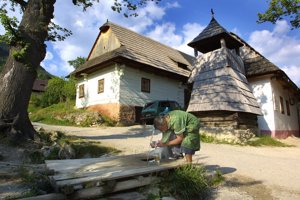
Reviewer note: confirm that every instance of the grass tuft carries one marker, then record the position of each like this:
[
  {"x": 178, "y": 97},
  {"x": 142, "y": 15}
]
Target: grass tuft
[
  {"x": 187, "y": 182},
  {"x": 266, "y": 140},
  {"x": 259, "y": 141}
]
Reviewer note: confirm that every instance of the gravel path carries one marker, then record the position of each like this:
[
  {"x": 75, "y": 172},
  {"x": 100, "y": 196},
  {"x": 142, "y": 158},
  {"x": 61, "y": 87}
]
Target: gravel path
[{"x": 250, "y": 172}]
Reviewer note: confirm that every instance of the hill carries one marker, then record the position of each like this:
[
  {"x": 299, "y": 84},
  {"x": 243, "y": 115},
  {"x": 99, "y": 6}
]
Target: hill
[{"x": 4, "y": 52}]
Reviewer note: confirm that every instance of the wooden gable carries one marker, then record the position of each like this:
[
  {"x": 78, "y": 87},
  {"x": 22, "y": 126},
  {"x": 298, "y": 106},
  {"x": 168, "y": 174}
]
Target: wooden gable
[{"x": 106, "y": 42}]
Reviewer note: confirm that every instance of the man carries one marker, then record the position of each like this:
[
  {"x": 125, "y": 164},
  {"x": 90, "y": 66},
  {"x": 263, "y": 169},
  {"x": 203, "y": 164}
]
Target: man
[{"x": 186, "y": 128}]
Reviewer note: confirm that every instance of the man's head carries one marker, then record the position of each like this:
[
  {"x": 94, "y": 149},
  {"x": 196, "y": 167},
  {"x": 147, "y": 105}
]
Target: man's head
[{"x": 161, "y": 123}]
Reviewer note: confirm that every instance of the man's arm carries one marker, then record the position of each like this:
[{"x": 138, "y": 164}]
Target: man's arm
[{"x": 178, "y": 140}]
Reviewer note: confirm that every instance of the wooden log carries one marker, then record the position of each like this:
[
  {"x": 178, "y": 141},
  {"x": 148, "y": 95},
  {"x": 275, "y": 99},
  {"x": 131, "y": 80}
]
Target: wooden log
[
  {"x": 96, "y": 177},
  {"x": 56, "y": 196},
  {"x": 119, "y": 186}
]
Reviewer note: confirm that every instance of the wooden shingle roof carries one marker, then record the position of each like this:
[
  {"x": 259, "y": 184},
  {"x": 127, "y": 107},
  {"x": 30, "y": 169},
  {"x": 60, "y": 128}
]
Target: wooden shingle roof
[
  {"x": 209, "y": 39},
  {"x": 218, "y": 84},
  {"x": 143, "y": 50}
]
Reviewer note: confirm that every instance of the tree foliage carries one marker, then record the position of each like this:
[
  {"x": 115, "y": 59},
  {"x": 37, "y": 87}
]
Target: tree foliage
[
  {"x": 58, "y": 90},
  {"x": 278, "y": 9},
  {"x": 77, "y": 62}
]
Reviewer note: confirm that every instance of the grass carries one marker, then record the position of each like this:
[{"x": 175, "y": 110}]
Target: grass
[
  {"x": 259, "y": 141},
  {"x": 188, "y": 182},
  {"x": 55, "y": 115},
  {"x": 210, "y": 139},
  {"x": 52, "y": 114},
  {"x": 82, "y": 147},
  {"x": 35, "y": 181},
  {"x": 266, "y": 140}
]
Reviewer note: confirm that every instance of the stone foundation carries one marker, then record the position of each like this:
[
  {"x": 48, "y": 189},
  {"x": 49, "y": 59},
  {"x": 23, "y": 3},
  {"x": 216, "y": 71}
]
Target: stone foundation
[
  {"x": 127, "y": 114},
  {"x": 231, "y": 135},
  {"x": 120, "y": 113},
  {"x": 111, "y": 110}
]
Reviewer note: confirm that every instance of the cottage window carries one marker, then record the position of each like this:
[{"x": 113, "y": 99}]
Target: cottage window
[
  {"x": 100, "y": 86},
  {"x": 281, "y": 105},
  {"x": 81, "y": 91},
  {"x": 145, "y": 85},
  {"x": 288, "y": 112}
]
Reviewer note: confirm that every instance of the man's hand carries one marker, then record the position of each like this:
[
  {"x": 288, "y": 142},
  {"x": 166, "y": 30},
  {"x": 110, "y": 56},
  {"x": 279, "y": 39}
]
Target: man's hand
[
  {"x": 153, "y": 144},
  {"x": 160, "y": 144}
]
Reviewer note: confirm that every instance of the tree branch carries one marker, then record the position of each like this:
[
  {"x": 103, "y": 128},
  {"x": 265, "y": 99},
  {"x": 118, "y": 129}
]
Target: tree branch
[{"x": 22, "y": 3}]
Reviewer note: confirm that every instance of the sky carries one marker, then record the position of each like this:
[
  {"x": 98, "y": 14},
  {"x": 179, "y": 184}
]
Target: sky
[{"x": 175, "y": 23}]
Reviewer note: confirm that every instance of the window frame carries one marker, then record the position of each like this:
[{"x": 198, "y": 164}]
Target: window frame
[
  {"x": 145, "y": 85},
  {"x": 81, "y": 91},
  {"x": 288, "y": 111},
  {"x": 281, "y": 105},
  {"x": 101, "y": 89}
]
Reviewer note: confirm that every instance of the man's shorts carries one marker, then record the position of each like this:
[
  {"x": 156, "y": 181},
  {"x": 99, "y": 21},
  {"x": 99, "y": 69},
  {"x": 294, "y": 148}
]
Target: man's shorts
[{"x": 187, "y": 150}]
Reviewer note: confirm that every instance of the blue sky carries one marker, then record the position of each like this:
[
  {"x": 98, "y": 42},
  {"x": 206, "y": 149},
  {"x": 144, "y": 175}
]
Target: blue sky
[{"x": 175, "y": 23}]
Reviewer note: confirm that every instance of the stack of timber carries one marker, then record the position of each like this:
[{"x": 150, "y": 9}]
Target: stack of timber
[
  {"x": 225, "y": 119},
  {"x": 94, "y": 177}
]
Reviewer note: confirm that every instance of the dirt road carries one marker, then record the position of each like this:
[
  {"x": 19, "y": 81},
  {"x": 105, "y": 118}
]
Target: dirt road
[{"x": 250, "y": 172}]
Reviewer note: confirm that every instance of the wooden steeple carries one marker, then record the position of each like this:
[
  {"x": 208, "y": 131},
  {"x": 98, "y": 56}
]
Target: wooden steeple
[{"x": 210, "y": 38}]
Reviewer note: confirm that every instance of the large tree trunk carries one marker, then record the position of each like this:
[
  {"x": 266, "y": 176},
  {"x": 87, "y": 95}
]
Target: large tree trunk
[{"x": 17, "y": 77}]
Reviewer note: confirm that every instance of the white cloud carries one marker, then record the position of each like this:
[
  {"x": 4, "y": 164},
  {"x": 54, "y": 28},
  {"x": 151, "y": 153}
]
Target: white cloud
[
  {"x": 293, "y": 72},
  {"x": 52, "y": 68},
  {"x": 173, "y": 5},
  {"x": 280, "y": 48},
  {"x": 153, "y": 11},
  {"x": 189, "y": 31},
  {"x": 166, "y": 33},
  {"x": 49, "y": 56}
]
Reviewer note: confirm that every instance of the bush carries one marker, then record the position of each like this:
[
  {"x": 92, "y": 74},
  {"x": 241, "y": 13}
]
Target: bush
[{"x": 58, "y": 90}]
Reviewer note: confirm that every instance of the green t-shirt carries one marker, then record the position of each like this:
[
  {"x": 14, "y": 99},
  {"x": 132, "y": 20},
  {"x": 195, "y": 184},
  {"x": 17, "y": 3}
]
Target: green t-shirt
[{"x": 185, "y": 123}]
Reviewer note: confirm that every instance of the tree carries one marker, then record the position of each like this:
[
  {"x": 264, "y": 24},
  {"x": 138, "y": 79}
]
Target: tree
[
  {"x": 27, "y": 49},
  {"x": 77, "y": 62},
  {"x": 278, "y": 9}
]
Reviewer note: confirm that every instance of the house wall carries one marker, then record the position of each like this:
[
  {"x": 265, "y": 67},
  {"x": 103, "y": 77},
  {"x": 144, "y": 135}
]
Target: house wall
[
  {"x": 262, "y": 91},
  {"x": 267, "y": 92},
  {"x": 131, "y": 96},
  {"x": 106, "y": 102},
  {"x": 161, "y": 88},
  {"x": 285, "y": 125}
]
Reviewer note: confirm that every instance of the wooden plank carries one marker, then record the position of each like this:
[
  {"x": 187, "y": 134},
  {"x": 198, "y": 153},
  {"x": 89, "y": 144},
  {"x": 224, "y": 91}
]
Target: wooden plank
[
  {"x": 93, "y": 172},
  {"x": 97, "y": 177},
  {"x": 119, "y": 186},
  {"x": 69, "y": 165},
  {"x": 56, "y": 196}
]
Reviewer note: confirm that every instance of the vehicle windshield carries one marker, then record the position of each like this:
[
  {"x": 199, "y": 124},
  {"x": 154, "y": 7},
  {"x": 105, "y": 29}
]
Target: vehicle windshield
[{"x": 149, "y": 105}]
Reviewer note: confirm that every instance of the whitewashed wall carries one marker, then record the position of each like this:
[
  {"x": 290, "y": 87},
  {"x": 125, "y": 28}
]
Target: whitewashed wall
[
  {"x": 111, "y": 88},
  {"x": 284, "y": 122},
  {"x": 268, "y": 92},
  {"x": 162, "y": 88},
  {"x": 262, "y": 91}
]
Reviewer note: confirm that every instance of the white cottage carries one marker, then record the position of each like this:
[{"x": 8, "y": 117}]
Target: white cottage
[{"x": 125, "y": 70}]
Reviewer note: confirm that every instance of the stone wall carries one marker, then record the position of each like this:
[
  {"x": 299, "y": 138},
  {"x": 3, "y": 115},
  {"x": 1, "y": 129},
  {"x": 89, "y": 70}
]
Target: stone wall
[{"x": 111, "y": 110}]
